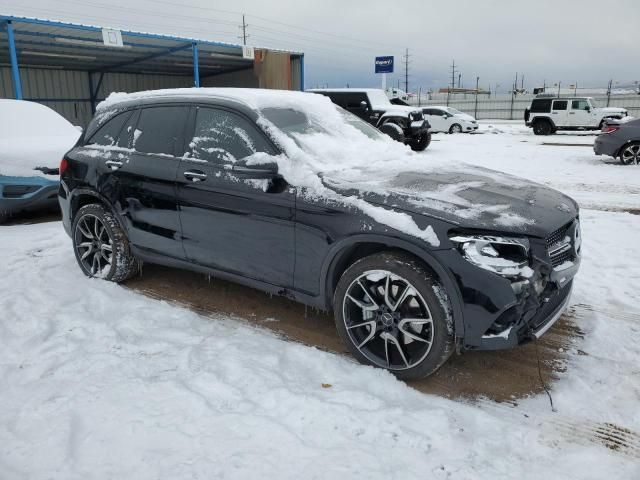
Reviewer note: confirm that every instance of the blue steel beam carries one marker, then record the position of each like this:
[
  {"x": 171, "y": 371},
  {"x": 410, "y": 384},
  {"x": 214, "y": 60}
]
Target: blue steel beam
[
  {"x": 15, "y": 69},
  {"x": 196, "y": 66}
]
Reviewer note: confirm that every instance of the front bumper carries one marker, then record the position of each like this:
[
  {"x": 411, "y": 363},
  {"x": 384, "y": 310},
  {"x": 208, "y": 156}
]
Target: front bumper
[
  {"x": 470, "y": 127},
  {"x": 416, "y": 130},
  {"x": 500, "y": 312},
  {"x": 22, "y": 194}
]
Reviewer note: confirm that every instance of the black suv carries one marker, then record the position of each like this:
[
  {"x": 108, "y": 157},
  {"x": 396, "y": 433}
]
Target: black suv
[
  {"x": 401, "y": 122},
  {"x": 218, "y": 181}
]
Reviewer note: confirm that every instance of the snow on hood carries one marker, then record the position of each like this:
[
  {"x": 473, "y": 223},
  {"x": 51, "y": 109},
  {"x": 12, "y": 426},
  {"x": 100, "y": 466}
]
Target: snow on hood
[
  {"x": 464, "y": 116},
  {"x": 32, "y": 135},
  {"x": 613, "y": 109},
  {"x": 337, "y": 157}
]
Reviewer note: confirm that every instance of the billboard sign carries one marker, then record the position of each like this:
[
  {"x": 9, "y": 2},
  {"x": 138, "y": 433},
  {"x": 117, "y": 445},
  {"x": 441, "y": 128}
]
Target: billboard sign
[{"x": 384, "y": 64}]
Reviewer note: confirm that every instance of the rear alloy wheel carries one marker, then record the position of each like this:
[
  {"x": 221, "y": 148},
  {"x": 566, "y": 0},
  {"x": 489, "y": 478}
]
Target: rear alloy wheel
[
  {"x": 392, "y": 314},
  {"x": 630, "y": 154},
  {"x": 542, "y": 127},
  {"x": 101, "y": 246},
  {"x": 455, "y": 128}
]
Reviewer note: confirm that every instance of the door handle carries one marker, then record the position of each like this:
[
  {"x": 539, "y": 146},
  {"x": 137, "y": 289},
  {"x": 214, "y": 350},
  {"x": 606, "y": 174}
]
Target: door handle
[
  {"x": 113, "y": 164},
  {"x": 195, "y": 175},
  {"x": 572, "y": 113}
]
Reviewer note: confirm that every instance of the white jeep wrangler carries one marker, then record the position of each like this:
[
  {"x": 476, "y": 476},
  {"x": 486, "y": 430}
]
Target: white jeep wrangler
[{"x": 547, "y": 114}]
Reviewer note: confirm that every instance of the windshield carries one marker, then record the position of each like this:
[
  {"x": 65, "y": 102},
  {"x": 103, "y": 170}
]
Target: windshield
[
  {"x": 378, "y": 97},
  {"x": 295, "y": 123},
  {"x": 454, "y": 111},
  {"x": 594, "y": 104}
]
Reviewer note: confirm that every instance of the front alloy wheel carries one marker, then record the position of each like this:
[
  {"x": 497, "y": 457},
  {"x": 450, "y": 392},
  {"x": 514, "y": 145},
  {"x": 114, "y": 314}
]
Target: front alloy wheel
[
  {"x": 390, "y": 316},
  {"x": 455, "y": 128}
]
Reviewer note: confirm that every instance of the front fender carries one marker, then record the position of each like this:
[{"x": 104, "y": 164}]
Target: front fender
[{"x": 343, "y": 247}]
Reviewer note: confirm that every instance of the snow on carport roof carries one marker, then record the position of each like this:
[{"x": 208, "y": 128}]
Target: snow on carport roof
[{"x": 54, "y": 44}]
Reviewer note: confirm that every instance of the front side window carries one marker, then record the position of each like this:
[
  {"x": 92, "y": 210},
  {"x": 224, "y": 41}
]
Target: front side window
[
  {"x": 560, "y": 105},
  {"x": 109, "y": 134},
  {"x": 225, "y": 137},
  {"x": 160, "y": 130},
  {"x": 579, "y": 105}
]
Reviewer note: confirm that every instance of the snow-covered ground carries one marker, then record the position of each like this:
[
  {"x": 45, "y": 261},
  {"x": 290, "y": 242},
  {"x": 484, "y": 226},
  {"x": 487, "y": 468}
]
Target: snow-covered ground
[{"x": 97, "y": 381}]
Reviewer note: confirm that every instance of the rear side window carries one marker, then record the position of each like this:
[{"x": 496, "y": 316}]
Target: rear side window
[
  {"x": 108, "y": 134},
  {"x": 160, "y": 130},
  {"x": 541, "y": 105},
  {"x": 223, "y": 137},
  {"x": 560, "y": 104}
]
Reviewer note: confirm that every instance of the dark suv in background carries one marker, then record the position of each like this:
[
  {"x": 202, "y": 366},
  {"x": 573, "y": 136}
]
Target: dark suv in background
[
  {"x": 201, "y": 179},
  {"x": 402, "y": 123}
]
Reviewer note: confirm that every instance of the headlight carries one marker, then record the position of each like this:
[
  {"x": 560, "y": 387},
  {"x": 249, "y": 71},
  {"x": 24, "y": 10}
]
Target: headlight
[{"x": 505, "y": 256}]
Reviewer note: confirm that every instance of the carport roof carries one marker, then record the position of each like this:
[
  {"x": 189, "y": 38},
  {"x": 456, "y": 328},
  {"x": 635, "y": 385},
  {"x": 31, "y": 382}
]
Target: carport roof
[{"x": 70, "y": 46}]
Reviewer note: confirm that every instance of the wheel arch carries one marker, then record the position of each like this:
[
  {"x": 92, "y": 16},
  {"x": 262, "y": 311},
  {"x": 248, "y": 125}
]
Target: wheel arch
[
  {"x": 86, "y": 196},
  {"x": 344, "y": 253},
  {"x": 544, "y": 119}
]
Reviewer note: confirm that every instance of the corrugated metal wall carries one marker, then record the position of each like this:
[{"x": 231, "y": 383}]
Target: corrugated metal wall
[{"x": 67, "y": 91}]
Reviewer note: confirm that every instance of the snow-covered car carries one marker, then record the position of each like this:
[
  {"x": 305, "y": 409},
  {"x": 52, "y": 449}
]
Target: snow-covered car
[
  {"x": 287, "y": 193},
  {"x": 402, "y": 123},
  {"x": 33, "y": 139},
  {"x": 620, "y": 140},
  {"x": 547, "y": 114},
  {"x": 448, "y": 119}
]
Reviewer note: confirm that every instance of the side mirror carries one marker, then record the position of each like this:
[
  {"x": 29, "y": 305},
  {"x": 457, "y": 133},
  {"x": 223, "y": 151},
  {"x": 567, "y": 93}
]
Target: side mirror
[
  {"x": 588, "y": 109},
  {"x": 363, "y": 106}
]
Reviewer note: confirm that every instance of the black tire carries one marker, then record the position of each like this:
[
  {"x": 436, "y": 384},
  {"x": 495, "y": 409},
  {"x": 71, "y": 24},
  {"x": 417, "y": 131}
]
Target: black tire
[
  {"x": 404, "y": 356},
  {"x": 455, "y": 128},
  {"x": 394, "y": 131},
  {"x": 109, "y": 255},
  {"x": 422, "y": 143},
  {"x": 542, "y": 127},
  {"x": 630, "y": 154}
]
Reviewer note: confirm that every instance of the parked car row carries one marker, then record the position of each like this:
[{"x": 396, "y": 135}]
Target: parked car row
[{"x": 407, "y": 124}]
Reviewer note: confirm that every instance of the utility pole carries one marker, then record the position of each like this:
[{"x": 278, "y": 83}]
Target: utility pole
[
  {"x": 475, "y": 114},
  {"x": 459, "y": 79},
  {"x": 244, "y": 31},
  {"x": 453, "y": 74},
  {"x": 522, "y": 81},
  {"x": 609, "y": 91},
  {"x": 406, "y": 71}
]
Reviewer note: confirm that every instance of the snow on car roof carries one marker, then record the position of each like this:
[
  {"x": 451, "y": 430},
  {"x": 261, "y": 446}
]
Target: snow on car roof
[
  {"x": 253, "y": 97},
  {"x": 344, "y": 90}
]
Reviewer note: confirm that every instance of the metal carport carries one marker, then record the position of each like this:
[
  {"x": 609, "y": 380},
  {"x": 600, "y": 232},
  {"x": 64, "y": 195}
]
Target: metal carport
[{"x": 70, "y": 68}]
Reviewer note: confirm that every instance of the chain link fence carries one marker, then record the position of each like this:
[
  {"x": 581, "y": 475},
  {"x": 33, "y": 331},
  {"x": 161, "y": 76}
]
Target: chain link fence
[{"x": 509, "y": 107}]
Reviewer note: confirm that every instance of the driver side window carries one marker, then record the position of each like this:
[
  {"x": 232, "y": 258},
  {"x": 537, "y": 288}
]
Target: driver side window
[
  {"x": 579, "y": 105},
  {"x": 221, "y": 136}
]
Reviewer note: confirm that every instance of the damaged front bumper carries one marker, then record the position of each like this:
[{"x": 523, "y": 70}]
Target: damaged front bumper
[{"x": 502, "y": 312}]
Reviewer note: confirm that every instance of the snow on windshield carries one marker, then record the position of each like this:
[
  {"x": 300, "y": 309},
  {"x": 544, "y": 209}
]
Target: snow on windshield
[
  {"x": 378, "y": 97},
  {"x": 32, "y": 136},
  {"x": 327, "y": 149}
]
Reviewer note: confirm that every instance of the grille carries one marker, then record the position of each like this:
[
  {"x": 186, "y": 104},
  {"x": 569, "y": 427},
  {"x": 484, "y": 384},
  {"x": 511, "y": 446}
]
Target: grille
[
  {"x": 556, "y": 241},
  {"x": 557, "y": 236}
]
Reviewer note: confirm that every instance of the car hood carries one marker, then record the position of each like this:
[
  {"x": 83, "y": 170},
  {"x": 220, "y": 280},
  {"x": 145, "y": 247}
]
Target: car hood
[
  {"x": 464, "y": 116},
  {"x": 396, "y": 109},
  {"x": 613, "y": 110},
  {"x": 469, "y": 197}
]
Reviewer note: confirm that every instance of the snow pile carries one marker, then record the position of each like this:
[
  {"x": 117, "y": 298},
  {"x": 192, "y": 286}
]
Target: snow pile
[
  {"x": 31, "y": 136},
  {"x": 97, "y": 381}
]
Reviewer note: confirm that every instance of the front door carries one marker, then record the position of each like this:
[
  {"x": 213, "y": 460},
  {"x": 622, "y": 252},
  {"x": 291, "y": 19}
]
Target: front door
[
  {"x": 580, "y": 113},
  {"x": 238, "y": 225},
  {"x": 138, "y": 174}
]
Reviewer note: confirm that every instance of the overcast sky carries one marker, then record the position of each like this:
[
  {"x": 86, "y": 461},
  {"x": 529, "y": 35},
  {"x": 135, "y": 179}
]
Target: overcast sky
[{"x": 563, "y": 40}]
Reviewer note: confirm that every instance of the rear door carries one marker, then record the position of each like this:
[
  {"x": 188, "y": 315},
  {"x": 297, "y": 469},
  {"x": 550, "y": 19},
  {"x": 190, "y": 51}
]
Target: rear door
[
  {"x": 139, "y": 176},
  {"x": 232, "y": 223},
  {"x": 580, "y": 113},
  {"x": 559, "y": 112}
]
